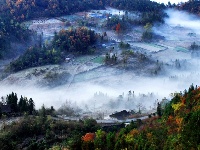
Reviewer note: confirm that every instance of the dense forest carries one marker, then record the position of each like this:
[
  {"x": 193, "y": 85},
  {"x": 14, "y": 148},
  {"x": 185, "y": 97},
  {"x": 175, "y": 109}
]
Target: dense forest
[
  {"x": 28, "y": 9},
  {"x": 150, "y": 11},
  {"x": 18, "y": 105},
  {"x": 36, "y": 56},
  {"x": 11, "y": 30},
  {"x": 42, "y": 132},
  {"x": 191, "y": 6},
  {"x": 13, "y": 12},
  {"x": 176, "y": 127},
  {"x": 73, "y": 41}
]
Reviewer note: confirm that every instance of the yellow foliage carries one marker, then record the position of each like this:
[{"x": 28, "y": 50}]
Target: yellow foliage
[
  {"x": 177, "y": 106},
  {"x": 148, "y": 27},
  {"x": 100, "y": 134},
  {"x": 149, "y": 136},
  {"x": 55, "y": 148},
  {"x": 134, "y": 132},
  {"x": 130, "y": 137}
]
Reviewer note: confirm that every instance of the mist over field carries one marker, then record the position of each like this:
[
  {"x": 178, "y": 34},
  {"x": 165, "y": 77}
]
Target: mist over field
[
  {"x": 99, "y": 74},
  {"x": 147, "y": 89},
  {"x": 183, "y": 19},
  {"x": 83, "y": 93}
]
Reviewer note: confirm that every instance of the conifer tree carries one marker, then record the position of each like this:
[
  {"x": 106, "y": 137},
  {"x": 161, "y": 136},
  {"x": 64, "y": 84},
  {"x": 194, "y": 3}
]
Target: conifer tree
[
  {"x": 31, "y": 106},
  {"x": 159, "y": 110}
]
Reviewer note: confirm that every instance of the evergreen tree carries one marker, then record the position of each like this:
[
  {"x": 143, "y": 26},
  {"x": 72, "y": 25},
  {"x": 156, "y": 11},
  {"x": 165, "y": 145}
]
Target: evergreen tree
[
  {"x": 31, "y": 106},
  {"x": 43, "y": 115},
  {"x": 159, "y": 110},
  {"x": 25, "y": 104},
  {"x": 11, "y": 100},
  {"x": 0, "y": 111},
  {"x": 20, "y": 104},
  {"x": 110, "y": 140}
]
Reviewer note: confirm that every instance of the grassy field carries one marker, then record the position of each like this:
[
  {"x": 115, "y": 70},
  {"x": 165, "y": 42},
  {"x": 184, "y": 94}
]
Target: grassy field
[
  {"x": 181, "y": 49},
  {"x": 83, "y": 59},
  {"x": 99, "y": 60}
]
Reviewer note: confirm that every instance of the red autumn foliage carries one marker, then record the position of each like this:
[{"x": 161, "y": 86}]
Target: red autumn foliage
[
  {"x": 118, "y": 27},
  {"x": 88, "y": 137}
]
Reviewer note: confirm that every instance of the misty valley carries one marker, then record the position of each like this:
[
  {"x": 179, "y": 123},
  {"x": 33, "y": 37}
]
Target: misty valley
[{"x": 99, "y": 74}]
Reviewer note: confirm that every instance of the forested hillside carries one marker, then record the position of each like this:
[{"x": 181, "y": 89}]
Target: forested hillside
[
  {"x": 191, "y": 6},
  {"x": 150, "y": 11},
  {"x": 74, "y": 41},
  {"x": 10, "y": 30},
  {"x": 176, "y": 127},
  {"x": 13, "y": 12},
  {"x": 28, "y": 9}
]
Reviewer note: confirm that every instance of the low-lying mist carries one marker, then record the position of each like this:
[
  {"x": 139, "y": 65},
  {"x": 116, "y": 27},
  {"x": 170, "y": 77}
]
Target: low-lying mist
[
  {"x": 179, "y": 21},
  {"x": 111, "y": 93},
  {"x": 183, "y": 19},
  {"x": 104, "y": 93}
]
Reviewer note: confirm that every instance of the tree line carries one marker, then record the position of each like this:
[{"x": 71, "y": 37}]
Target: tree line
[
  {"x": 29, "y": 9},
  {"x": 18, "y": 105},
  {"x": 192, "y": 6},
  {"x": 175, "y": 127},
  {"x": 151, "y": 12},
  {"x": 10, "y": 30},
  {"x": 73, "y": 41},
  {"x": 13, "y": 12},
  {"x": 43, "y": 132}
]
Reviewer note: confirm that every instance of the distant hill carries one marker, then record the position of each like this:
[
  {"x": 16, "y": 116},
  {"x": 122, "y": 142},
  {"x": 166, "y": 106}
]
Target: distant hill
[
  {"x": 192, "y": 6},
  {"x": 13, "y": 12},
  {"x": 29, "y": 9},
  {"x": 151, "y": 11},
  {"x": 76, "y": 41}
]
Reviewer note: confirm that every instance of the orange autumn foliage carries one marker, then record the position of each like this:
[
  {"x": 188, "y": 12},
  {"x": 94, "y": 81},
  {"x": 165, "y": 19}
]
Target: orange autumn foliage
[
  {"x": 18, "y": 2},
  {"x": 183, "y": 100},
  {"x": 179, "y": 123},
  {"x": 170, "y": 118},
  {"x": 88, "y": 137},
  {"x": 134, "y": 132}
]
